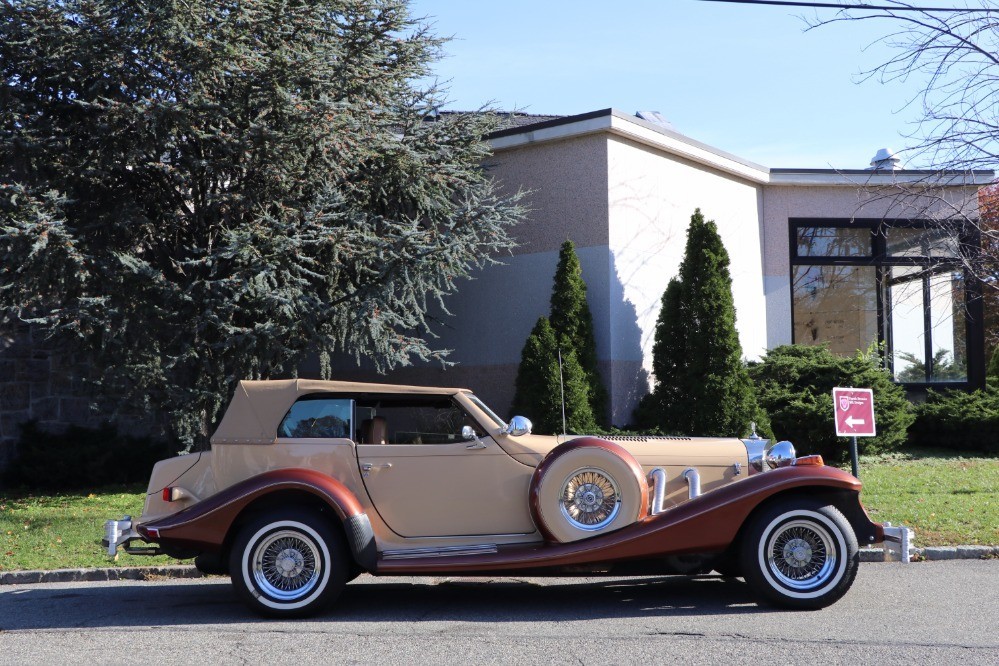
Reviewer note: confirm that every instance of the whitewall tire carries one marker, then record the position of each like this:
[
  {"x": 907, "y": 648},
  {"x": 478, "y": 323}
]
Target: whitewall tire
[
  {"x": 798, "y": 553},
  {"x": 289, "y": 563}
]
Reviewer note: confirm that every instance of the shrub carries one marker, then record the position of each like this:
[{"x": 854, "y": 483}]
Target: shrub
[
  {"x": 573, "y": 324},
  {"x": 81, "y": 458},
  {"x": 958, "y": 420},
  {"x": 992, "y": 371},
  {"x": 795, "y": 383},
  {"x": 538, "y": 393},
  {"x": 702, "y": 387}
]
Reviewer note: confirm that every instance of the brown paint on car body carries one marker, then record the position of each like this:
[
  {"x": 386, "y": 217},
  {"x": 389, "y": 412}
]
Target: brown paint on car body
[
  {"x": 705, "y": 524},
  {"x": 206, "y": 524}
]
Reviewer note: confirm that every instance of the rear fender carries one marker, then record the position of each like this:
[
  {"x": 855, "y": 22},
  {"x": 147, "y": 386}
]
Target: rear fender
[{"x": 205, "y": 526}]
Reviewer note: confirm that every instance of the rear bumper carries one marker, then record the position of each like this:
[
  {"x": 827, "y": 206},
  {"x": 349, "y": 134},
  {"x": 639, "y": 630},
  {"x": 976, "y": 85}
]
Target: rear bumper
[{"x": 120, "y": 534}]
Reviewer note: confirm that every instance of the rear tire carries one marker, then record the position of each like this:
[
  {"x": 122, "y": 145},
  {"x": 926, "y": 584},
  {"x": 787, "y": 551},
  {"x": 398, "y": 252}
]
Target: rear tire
[
  {"x": 800, "y": 554},
  {"x": 288, "y": 563}
]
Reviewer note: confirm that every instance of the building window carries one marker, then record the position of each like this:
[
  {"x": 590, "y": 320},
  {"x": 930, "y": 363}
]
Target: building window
[{"x": 898, "y": 283}]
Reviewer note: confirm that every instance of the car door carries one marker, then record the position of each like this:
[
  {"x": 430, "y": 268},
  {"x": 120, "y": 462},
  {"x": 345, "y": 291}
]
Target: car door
[{"x": 426, "y": 480}]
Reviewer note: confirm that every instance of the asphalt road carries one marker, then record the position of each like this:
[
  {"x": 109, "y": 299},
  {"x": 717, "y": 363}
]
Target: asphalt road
[{"x": 922, "y": 613}]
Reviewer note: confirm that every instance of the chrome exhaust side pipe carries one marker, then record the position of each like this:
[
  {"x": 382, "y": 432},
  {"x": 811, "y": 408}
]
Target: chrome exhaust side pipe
[
  {"x": 657, "y": 478},
  {"x": 693, "y": 482}
]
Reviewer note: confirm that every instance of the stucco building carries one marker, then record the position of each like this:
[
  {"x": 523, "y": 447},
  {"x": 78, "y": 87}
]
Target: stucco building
[
  {"x": 847, "y": 258},
  {"x": 817, "y": 256}
]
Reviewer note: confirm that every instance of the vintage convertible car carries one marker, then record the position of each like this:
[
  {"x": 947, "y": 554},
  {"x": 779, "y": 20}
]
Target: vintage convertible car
[{"x": 309, "y": 483}]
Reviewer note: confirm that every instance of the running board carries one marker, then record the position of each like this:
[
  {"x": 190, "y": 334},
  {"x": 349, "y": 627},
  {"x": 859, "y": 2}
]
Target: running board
[{"x": 448, "y": 551}]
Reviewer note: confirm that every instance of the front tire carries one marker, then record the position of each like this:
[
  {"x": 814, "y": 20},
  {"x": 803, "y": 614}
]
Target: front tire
[
  {"x": 800, "y": 554},
  {"x": 288, "y": 564}
]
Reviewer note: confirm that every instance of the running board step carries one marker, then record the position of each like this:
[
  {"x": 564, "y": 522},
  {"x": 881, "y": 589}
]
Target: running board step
[{"x": 448, "y": 551}]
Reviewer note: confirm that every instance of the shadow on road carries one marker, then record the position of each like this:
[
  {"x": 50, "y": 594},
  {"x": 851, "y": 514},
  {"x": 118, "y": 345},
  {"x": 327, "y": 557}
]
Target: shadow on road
[{"x": 379, "y": 600}]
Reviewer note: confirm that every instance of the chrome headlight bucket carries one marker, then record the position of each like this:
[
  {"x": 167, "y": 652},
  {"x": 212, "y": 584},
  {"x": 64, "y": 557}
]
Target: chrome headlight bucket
[
  {"x": 780, "y": 454},
  {"x": 766, "y": 455}
]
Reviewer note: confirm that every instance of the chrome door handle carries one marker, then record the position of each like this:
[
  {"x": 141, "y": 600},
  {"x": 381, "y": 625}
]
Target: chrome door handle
[{"x": 367, "y": 467}]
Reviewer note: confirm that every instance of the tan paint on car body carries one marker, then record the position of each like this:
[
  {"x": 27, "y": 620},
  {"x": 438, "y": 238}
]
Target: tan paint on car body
[{"x": 491, "y": 480}]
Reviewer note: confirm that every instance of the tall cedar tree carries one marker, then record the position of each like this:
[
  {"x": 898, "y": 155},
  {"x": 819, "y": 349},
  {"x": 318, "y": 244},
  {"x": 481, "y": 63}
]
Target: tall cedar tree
[
  {"x": 570, "y": 317},
  {"x": 538, "y": 394},
  {"x": 195, "y": 193},
  {"x": 702, "y": 386}
]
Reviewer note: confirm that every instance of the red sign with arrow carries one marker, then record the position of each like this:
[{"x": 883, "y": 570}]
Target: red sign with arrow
[{"x": 854, "y": 412}]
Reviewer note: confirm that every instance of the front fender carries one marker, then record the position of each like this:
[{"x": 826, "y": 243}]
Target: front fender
[
  {"x": 204, "y": 526},
  {"x": 705, "y": 524}
]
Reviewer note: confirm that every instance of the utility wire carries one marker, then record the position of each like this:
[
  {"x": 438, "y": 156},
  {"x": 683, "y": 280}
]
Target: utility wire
[{"x": 860, "y": 6}]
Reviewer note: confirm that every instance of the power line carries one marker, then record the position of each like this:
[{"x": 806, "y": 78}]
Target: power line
[{"x": 861, "y": 6}]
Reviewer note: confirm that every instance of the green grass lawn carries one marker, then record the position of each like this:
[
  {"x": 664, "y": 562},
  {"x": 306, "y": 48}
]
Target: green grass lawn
[
  {"x": 64, "y": 531},
  {"x": 948, "y": 500}
]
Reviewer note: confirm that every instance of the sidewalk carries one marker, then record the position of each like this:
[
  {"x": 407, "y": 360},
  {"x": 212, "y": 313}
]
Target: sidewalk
[{"x": 933, "y": 553}]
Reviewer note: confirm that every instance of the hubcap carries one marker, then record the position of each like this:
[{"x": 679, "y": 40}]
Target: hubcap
[
  {"x": 285, "y": 565},
  {"x": 801, "y": 554},
  {"x": 590, "y": 500}
]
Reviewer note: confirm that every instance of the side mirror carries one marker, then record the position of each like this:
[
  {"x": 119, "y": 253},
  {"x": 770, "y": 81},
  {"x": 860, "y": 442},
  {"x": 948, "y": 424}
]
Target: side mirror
[
  {"x": 467, "y": 433},
  {"x": 519, "y": 425}
]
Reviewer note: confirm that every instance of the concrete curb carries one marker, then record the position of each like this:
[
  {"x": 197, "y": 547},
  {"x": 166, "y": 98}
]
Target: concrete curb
[
  {"x": 88, "y": 575},
  {"x": 936, "y": 553},
  {"x": 932, "y": 553}
]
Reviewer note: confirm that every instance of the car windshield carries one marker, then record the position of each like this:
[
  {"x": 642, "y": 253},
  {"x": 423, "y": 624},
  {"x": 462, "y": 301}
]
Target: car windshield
[{"x": 485, "y": 410}]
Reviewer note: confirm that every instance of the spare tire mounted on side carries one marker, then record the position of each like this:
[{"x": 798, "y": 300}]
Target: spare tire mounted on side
[{"x": 586, "y": 487}]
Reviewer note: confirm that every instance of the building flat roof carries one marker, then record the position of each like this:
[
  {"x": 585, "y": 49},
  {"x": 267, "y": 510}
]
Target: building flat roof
[{"x": 612, "y": 121}]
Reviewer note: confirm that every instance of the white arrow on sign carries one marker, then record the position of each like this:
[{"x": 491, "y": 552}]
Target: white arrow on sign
[{"x": 852, "y": 422}]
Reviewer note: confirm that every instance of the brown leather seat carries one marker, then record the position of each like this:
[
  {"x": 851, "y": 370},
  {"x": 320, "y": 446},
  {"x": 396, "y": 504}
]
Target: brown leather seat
[{"x": 374, "y": 431}]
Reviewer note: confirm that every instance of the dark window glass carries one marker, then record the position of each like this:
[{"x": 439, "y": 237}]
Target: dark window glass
[
  {"x": 926, "y": 336},
  {"x": 931, "y": 243},
  {"x": 834, "y": 242},
  {"x": 900, "y": 285},
  {"x": 837, "y": 306},
  {"x": 418, "y": 419},
  {"x": 317, "y": 418}
]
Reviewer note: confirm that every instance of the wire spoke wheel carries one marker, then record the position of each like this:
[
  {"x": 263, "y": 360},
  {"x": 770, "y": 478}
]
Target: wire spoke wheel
[
  {"x": 590, "y": 499},
  {"x": 285, "y": 565},
  {"x": 801, "y": 554},
  {"x": 288, "y": 562}
]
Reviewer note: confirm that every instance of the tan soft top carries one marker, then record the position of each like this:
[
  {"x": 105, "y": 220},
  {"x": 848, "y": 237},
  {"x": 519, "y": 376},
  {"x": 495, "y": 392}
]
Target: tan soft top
[{"x": 257, "y": 407}]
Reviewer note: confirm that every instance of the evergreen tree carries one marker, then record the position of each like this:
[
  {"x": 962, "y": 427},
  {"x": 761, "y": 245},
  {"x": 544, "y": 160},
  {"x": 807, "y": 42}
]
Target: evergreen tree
[
  {"x": 195, "y": 193},
  {"x": 702, "y": 386},
  {"x": 538, "y": 393},
  {"x": 570, "y": 317}
]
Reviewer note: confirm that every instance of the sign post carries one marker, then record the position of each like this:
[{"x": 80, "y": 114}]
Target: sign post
[{"x": 854, "y": 415}]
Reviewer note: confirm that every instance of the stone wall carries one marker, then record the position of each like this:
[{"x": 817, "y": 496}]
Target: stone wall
[{"x": 38, "y": 382}]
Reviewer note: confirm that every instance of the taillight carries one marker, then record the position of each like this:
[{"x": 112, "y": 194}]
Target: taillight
[{"x": 168, "y": 494}]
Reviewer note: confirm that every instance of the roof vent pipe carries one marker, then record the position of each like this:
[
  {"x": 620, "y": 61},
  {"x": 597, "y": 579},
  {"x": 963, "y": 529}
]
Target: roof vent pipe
[
  {"x": 655, "y": 118},
  {"x": 885, "y": 160}
]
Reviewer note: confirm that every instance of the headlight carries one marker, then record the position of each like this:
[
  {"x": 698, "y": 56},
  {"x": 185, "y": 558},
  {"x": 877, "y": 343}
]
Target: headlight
[{"x": 780, "y": 454}]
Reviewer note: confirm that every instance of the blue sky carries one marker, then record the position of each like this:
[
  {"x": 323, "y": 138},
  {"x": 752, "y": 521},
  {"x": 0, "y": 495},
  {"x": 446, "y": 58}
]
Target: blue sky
[{"x": 747, "y": 79}]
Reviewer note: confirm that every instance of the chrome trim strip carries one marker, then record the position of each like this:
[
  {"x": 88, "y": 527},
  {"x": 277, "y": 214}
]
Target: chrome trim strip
[{"x": 448, "y": 551}]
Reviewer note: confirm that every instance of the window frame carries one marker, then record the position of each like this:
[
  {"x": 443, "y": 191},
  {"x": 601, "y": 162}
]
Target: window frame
[{"x": 969, "y": 238}]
